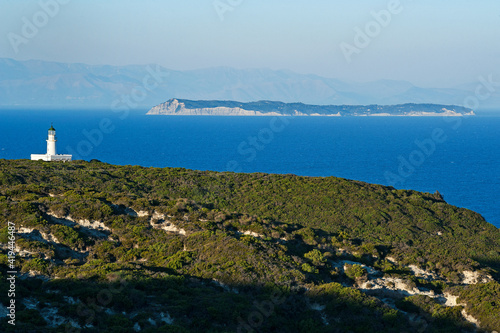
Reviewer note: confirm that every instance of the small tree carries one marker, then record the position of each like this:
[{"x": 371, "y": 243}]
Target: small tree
[
  {"x": 355, "y": 271},
  {"x": 316, "y": 257}
]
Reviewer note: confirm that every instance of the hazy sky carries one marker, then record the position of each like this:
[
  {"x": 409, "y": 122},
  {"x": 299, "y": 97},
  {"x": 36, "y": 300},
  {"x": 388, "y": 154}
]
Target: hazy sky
[{"x": 429, "y": 43}]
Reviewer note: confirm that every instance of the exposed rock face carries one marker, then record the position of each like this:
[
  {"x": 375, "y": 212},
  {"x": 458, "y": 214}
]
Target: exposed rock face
[
  {"x": 451, "y": 300},
  {"x": 179, "y": 107},
  {"x": 423, "y": 273},
  {"x": 132, "y": 212},
  {"x": 169, "y": 227},
  {"x": 92, "y": 228},
  {"x": 159, "y": 221},
  {"x": 254, "y": 234},
  {"x": 34, "y": 234},
  {"x": 174, "y": 107},
  {"x": 475, "y": 277},
  {"x": 47, "y": 238}
]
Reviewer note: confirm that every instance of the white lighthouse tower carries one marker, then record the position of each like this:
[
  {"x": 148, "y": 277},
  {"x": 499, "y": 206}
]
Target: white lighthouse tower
[
  {"x": 51, "y": 141},
  {"x": 51, "y": 149}
]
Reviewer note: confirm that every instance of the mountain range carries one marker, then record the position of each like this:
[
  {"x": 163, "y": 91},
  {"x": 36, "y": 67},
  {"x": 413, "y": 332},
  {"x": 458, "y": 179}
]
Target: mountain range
[{"x": 43, "y": 84}]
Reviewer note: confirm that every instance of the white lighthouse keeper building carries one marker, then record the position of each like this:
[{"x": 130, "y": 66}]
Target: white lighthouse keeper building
[{"x": 51, "y": 149}]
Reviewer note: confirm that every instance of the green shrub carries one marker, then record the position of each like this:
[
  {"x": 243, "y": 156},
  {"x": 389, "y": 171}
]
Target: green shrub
[
  {"x": 179, "y": 259},
  {"x": 36, "y": 264},
  {"x": 309, "y": 269},
  {"x": 316, "y": 257},
  {"x": 355, "y": 271}
]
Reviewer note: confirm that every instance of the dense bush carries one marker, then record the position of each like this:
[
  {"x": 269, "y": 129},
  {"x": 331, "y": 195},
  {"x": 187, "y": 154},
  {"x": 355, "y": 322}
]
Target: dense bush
[
  {"x": 355, "y": 271},
  {"x": 483, "y": 303}
]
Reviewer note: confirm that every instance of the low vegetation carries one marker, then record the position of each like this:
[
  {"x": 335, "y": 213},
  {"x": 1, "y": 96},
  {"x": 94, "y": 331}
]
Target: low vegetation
[{"x": 126, "y": 248}]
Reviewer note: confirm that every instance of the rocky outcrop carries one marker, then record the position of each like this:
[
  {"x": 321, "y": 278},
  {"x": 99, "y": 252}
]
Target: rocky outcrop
[
  {"x": 47, "y": 238},
  {"x": 95, "y": 229},
  {"x": 167, "y": 226},
  {"x": 160, "y": 221},
  {"x": 475, "y": 277},
  {"x": 175, "y": 107},
  {"x": 253, "y": 234},
  {"x": 387, "y": 289}
]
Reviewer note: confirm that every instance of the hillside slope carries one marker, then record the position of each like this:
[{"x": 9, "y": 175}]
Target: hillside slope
[{"x": 125, "y": 248}]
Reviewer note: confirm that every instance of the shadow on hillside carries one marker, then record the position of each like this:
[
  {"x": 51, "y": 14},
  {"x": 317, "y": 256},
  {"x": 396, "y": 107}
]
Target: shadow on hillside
[
  {"x": 167, "y": 302},
  {"x": 492, "y": 263}
]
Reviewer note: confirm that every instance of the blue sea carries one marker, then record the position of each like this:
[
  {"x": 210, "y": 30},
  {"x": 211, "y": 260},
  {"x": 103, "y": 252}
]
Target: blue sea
[{"x": 459, "y": 157}]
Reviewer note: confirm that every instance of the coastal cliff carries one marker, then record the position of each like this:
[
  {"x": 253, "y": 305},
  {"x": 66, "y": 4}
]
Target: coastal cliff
[{"x": 182, "y": 107}]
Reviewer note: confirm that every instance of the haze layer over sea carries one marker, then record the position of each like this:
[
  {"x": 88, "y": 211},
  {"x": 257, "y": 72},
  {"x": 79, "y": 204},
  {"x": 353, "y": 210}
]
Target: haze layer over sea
[{"x": 457, "y": 156}]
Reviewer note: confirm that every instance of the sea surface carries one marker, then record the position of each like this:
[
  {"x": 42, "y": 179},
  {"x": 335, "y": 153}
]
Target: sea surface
[{"x": 459, "y": 157}]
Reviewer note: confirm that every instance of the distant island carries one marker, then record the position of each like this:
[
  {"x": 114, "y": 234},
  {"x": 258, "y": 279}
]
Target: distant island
[{"x": 184, "y": 107}]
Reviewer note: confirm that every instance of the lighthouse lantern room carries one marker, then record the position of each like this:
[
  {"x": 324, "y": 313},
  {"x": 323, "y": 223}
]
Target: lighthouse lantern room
[{"x": 51, "y": 149}]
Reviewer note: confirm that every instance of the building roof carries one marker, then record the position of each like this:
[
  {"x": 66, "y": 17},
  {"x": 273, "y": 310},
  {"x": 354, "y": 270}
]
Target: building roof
[{"x": 52, "y": 127}]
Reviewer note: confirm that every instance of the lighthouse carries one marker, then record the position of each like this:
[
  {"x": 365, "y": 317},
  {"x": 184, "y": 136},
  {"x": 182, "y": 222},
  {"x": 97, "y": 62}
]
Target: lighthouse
[
  {"x": 51, "y": 141},
  {"x": 51, "y": 149}
]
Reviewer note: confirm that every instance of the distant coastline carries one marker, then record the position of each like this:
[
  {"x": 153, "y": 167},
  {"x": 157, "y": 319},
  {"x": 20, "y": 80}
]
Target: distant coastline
[{"x": 183, "y": 107}]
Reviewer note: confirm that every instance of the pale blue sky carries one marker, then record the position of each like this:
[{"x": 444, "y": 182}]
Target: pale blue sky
[{"x": 429, "y": 43}]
